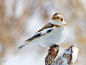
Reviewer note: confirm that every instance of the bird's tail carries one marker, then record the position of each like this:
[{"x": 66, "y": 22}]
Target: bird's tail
[{"x": 26, "y": 43}]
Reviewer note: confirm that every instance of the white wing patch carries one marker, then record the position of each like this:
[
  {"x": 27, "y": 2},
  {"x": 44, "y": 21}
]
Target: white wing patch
[{"x": 44, "y": 31}]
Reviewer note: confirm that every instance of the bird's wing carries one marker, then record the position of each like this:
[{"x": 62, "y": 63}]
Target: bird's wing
[{"x": 46, "y": 29}]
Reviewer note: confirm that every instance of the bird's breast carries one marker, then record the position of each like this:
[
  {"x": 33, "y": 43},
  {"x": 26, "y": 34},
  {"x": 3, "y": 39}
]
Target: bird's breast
[
  {"x": 57, "y": 36},
  {"x": 61, "y": 34}
]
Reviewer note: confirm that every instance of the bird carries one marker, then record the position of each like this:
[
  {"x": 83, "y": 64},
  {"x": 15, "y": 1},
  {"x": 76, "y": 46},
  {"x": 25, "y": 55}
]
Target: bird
[{"x": 53, "y": 33}]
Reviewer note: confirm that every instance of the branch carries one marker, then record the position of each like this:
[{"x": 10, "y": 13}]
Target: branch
[
  {"x": 67, "y": 58},
  {"x": 52, "y": 53}
]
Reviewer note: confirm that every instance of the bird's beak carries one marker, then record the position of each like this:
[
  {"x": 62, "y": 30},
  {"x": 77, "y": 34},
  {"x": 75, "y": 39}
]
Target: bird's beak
[{"x": 53, "y": 18}]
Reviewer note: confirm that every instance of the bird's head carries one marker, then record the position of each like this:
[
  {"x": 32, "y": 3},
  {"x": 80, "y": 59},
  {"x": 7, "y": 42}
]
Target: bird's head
[{"x": 57, "y": 16}]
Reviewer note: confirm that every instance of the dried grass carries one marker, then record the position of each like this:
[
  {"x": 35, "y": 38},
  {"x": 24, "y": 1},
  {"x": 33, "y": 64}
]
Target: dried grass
[{"x": 12, "y": 27}]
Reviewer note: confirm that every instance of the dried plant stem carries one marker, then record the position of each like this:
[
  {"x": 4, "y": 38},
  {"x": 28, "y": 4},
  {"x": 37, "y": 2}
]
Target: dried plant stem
[
  {"x": 53, "y": 51},
  {"x": 67, "y": 58}
]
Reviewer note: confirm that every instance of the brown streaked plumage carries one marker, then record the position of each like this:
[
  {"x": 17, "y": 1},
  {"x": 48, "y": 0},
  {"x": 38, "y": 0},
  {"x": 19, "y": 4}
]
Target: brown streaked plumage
[
  {"x": 60, "y": 26},
  {"x": 57, "y": 13},
  {"x": 46, "y": 26},
  {"x": 65, "y": 25},
  {"x": 61, "y": 19},
  {"x": 57, "y": 26},
  {"x": 55, "y": 17}
]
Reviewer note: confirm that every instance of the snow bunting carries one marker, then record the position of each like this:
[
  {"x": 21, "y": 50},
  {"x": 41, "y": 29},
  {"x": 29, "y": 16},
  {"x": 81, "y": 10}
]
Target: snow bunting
[{"x": 52, "y": 33}]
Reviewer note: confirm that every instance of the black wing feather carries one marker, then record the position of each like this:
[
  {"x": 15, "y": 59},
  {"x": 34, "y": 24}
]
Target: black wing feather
[
  {"x": 35, "y": 36},
  {"x": 39, "y": 34}
]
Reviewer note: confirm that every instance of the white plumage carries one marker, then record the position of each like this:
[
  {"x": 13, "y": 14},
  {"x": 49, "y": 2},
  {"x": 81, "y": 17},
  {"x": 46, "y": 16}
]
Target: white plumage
[{"x": 54, "y": 32}]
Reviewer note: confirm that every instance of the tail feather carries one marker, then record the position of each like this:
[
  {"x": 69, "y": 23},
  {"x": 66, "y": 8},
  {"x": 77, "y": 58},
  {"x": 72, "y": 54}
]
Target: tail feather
[
  {"x": 21, "y": 46},
  {"x": 26, "y": 42}
]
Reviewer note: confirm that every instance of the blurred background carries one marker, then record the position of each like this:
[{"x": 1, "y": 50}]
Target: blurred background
[{"x": 20, "y": 19}]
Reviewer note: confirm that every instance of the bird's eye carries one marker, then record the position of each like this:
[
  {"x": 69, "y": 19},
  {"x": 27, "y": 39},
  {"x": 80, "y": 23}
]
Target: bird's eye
[{"x": 57, "y": 17}]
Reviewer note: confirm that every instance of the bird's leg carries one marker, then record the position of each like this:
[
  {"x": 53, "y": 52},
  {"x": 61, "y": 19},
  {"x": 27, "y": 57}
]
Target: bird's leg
[{"x": 53, "y": 46}]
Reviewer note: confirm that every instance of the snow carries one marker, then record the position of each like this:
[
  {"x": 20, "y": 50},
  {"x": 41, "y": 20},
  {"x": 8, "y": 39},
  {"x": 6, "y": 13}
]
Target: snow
[
  {"x": 27, "y": 56},
  {"x": 65, "y": 55},
  {"x": 24, "y": 57},
  {"x": 75, "y": 53}
]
